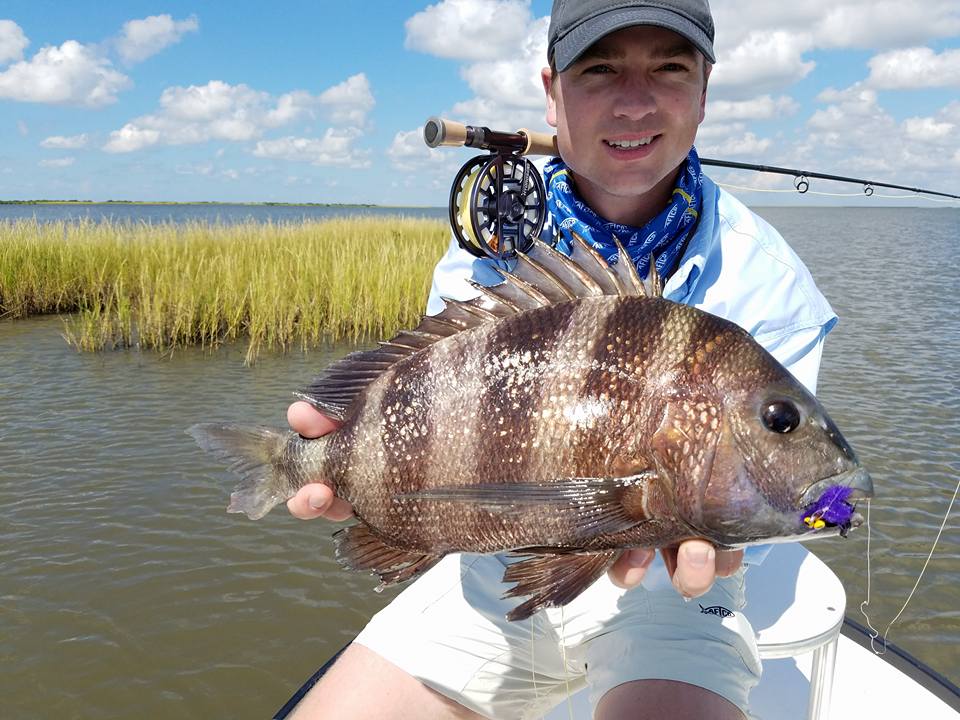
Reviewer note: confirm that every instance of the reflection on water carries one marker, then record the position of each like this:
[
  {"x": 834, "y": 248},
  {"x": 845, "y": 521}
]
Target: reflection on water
[{"x": 124, "y": 586}]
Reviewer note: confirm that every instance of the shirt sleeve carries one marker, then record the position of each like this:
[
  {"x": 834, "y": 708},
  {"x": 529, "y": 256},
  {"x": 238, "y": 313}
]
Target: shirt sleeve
[{"x": 451, "y": 274}]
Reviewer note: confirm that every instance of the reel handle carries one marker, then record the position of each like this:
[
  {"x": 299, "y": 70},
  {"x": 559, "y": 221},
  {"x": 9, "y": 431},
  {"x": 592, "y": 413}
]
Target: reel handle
[{"x": 437, "y": 132}]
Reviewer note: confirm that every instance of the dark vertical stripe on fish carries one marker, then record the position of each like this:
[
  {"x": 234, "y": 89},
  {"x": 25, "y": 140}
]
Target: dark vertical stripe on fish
[{"x": 518, "y": 362}]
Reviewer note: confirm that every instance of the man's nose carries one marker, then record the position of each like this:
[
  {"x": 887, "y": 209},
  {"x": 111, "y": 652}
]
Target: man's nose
[{"x": 635, "y": 99}]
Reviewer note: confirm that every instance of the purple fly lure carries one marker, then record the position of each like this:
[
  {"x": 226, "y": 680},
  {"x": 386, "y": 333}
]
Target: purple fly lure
[{"x": 831, "y": 508}]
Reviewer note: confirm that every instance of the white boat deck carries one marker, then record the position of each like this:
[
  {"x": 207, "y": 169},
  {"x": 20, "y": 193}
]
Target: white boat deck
[
  {"x": 810, "y": 671},
  {"x": 864, "y": 686}
]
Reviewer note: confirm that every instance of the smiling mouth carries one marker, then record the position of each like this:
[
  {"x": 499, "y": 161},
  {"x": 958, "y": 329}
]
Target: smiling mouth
[{"x": 631, "y": 144}]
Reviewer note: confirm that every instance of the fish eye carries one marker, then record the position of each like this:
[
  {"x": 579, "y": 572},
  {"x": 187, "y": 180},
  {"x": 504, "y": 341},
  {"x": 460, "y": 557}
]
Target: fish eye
[{"x": 781, "y": 416}]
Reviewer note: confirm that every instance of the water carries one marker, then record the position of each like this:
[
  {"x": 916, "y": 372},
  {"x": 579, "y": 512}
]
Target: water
[
  {"x": 202, "y": 212},
  {"x": 125, "y": 589}
]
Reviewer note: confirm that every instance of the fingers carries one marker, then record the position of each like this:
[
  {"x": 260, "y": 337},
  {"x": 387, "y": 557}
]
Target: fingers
[
  {"x": 628, "y": 569},
  {"x": 696, "y": 564},
  {"x": 308, "y": 421},
  {"x": 694, "y": 567},
  {"x": 728, "y": 562},
  {"x": 314, "y": 499},
  {"x": 317, "y": 500}
]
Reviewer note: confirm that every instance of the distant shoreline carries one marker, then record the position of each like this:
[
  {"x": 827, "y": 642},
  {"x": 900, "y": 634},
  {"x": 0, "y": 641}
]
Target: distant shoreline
[{"x": 206, "y": 202}]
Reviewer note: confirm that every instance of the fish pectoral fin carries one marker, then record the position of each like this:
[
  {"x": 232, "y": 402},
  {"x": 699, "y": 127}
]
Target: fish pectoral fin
[
  {"x": 359, "y": 548},
  {"x": 553, "y": 580},
  {"x": 594, "y": 506}
]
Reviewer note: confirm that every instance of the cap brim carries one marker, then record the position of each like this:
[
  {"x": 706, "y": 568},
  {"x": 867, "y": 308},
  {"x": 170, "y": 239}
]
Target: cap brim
[{"x": 572, "y": 45}]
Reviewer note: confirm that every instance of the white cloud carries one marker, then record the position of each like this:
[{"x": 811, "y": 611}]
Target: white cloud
[
  {"x": 763, "y": 107},
  {"x": 502, "y": 71},
  {"x": 236, "y": 113},
  {"x": 855, "y": 135},
  {"x": 130, "y": 138},
  {"x": 348, "y": 102},
  {"x": 22, "y": 128},
  {"x": 408, "y": 152},
  {"x": 60, "y": 142},
  {"x": 917, "y": 67},
  {"x": 927, "y": 129},
  {"x": 57, "y": 162},
  {"x": 140, "y": 39},
  {"x": 887, "y": 23},
  {"x": 334, "y": 148},
  {"x": 12, "y": 41},
  {"x": 72, "y": 74},
  {"x": 763, "y": 61},
  {"x": 864, "y": 24},
  {"x": 746, "y": 145},
  {"x": 469, "y": 29},
  {"x": 204, "y": 169}
]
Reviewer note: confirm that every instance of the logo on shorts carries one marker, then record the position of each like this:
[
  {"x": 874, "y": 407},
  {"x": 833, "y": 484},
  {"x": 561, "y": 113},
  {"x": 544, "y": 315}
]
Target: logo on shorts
[{"x": 716, "y": 610}]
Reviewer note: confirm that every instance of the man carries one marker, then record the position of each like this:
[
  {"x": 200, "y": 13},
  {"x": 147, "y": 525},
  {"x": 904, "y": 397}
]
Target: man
[{"x": 626, "y": 91}]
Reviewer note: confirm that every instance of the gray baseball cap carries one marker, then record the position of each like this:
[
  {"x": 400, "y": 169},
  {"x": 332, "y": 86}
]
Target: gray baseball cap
[{"x": 575, "y": 25}]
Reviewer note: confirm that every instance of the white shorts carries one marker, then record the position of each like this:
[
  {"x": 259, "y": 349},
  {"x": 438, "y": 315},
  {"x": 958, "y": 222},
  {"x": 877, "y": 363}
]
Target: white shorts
[{"x": 448, "y": 630}]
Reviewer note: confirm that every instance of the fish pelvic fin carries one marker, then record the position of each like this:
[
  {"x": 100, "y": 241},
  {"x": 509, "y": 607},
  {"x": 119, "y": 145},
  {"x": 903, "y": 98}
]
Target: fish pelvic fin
[
  {"x": 359, "y": 548},
  {"x": 553, "y": 580},
  {"x": 261, "y": 456}
]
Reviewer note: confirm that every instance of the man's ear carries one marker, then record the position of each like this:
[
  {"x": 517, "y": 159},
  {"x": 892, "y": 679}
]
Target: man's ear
[
  {"x": 707, "y": 69},
  {"x": 547, "y": 77}
]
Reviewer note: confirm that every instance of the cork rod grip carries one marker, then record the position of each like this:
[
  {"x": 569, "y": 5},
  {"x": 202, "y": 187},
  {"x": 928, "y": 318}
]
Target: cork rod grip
[
  {"x": 437, "y": 132},
  {"x": 539, "y": 143}
]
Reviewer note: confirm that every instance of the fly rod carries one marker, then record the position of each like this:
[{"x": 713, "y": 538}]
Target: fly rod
[
  {"x": 802, "y": 184},
  {"x": 497, "y": 201},
  {"x": 523, "y": 142}
]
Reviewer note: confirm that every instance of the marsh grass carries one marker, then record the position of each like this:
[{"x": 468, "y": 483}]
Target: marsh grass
[{"x": 170, "y": 285}]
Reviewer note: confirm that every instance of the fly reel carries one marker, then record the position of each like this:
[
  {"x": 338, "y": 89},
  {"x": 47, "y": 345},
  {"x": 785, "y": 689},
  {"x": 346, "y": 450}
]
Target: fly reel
[{"x": 497, "y": 201}]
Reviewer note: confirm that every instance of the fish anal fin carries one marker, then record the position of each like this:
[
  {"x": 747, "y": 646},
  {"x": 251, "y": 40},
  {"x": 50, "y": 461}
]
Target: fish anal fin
[
  {"x": 553, "y": 580},
  {"x": 359, "y": 548}
]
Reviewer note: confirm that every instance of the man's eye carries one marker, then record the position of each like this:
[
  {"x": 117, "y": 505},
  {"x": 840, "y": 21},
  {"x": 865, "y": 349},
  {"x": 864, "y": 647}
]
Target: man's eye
[
  {"x": 674, "y": 67},
  {"x": 597, "y": 69}
]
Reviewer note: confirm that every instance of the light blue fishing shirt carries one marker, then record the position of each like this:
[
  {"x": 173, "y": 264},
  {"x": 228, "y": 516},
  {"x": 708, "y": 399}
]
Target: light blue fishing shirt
[{"x": 736, "y": 266}]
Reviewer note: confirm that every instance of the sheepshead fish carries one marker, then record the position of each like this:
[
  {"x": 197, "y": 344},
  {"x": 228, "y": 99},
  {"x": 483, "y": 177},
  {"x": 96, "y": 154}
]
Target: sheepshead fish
[{"x": 565, "y": 414}]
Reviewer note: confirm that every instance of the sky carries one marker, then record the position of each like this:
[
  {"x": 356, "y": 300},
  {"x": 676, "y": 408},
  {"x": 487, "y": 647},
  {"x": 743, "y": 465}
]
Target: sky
[{"x": 325, "y": 101}]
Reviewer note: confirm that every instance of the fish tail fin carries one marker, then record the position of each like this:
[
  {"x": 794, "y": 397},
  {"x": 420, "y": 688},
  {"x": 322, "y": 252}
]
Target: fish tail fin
[{"x": 253, "y": 453}]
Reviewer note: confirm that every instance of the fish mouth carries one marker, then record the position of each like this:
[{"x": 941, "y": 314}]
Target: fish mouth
[
  {"x": 858, "y": 480},
  {"x": 830, "y": 504}
]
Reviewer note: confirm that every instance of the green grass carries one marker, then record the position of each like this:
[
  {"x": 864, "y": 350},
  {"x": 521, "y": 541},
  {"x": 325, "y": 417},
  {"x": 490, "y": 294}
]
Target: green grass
[{"x": 165, "y": 286}]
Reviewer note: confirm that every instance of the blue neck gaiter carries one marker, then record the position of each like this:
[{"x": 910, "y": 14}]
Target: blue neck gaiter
[{"x": 665, "y": 235}]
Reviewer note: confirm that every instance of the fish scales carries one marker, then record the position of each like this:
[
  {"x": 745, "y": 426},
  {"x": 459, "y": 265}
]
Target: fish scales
[
  {"x": 565, "y": 429},
  {"x": 553, "y": 406}
]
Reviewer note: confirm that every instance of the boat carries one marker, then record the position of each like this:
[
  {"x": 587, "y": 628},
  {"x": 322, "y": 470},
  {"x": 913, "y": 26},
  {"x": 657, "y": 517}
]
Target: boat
[{"x": 818, "y": 664}]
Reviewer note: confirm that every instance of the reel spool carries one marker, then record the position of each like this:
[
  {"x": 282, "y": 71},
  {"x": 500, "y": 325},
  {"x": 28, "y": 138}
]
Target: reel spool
[
  {"x": 497, "y": 201},
  {"x": 497, "y": 205}
]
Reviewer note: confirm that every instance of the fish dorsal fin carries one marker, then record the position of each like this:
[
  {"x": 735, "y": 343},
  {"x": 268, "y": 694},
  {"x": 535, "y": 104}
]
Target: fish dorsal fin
[
  {"x": 542, "y": 277},
  {"x": 333, "y": 391}
]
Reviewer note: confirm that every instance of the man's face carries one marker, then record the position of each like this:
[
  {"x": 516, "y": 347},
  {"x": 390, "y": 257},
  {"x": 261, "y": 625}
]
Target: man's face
[{"x": 626, "y": 115}]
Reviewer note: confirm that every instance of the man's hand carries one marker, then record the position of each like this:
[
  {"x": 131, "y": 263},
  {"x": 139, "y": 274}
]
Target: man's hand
[
  {"x": 694, "y": 565},
  {"x": 315, "y": 499}
]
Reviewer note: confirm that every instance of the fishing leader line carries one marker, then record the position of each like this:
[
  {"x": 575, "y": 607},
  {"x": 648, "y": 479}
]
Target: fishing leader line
[{"x": 874, "y": 634}]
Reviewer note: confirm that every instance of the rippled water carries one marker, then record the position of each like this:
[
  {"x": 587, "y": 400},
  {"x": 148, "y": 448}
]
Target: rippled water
[{"x": 125, "y": 589}]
